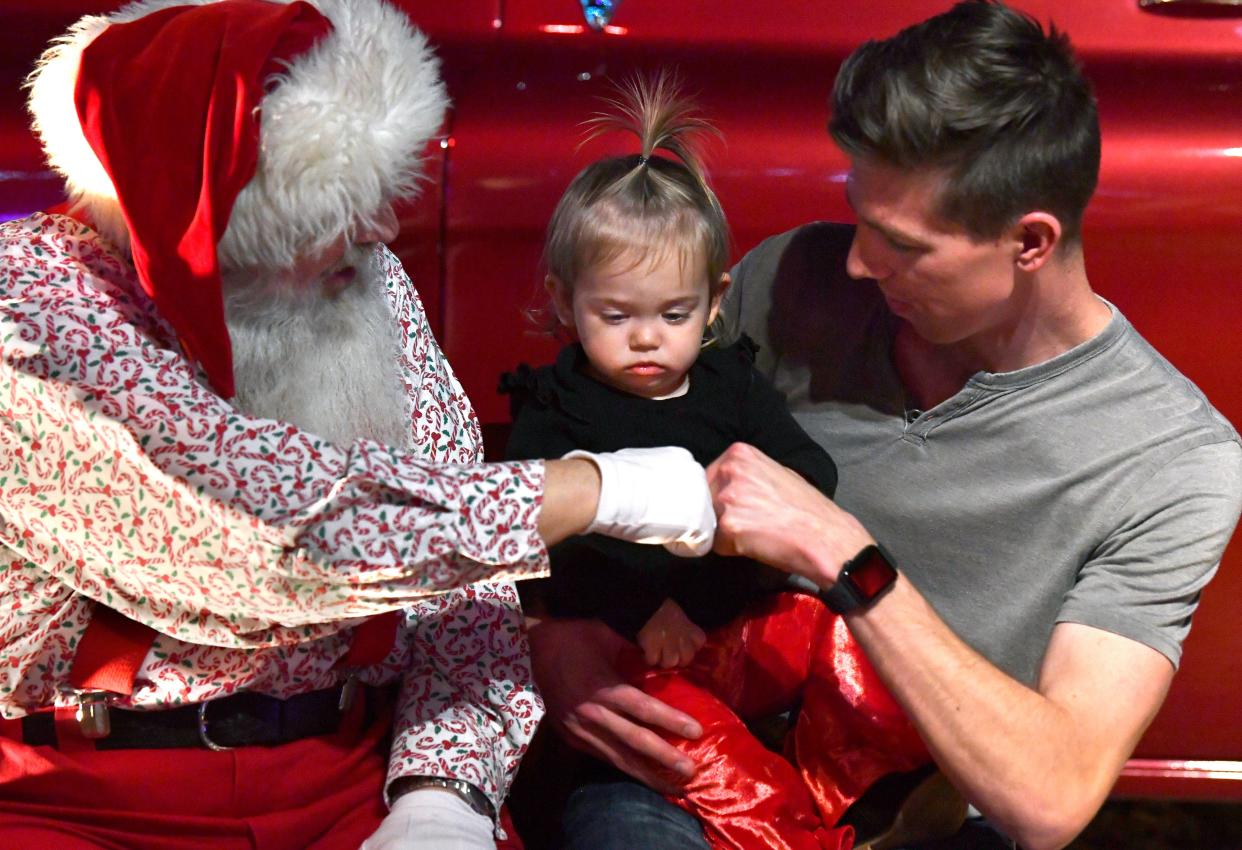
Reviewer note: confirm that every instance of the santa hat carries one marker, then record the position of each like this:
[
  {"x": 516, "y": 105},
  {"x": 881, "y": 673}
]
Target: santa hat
[{"x": 248, "y": 132}]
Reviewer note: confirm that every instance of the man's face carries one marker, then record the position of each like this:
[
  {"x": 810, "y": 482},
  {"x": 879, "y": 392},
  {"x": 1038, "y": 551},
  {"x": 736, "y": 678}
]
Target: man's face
[{"x": 947, "y": 284}]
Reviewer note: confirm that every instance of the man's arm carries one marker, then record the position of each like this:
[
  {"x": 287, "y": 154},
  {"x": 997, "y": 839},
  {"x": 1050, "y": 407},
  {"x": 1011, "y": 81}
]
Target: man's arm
[{"x": 1037, "y": 761}]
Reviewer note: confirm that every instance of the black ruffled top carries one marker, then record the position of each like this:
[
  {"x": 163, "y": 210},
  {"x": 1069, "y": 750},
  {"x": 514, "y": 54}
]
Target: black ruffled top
[{"x": 559, "y": 408}]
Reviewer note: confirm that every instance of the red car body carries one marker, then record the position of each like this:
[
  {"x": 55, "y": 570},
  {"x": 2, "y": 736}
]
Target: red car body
[{"x": 1162, "y": 235}]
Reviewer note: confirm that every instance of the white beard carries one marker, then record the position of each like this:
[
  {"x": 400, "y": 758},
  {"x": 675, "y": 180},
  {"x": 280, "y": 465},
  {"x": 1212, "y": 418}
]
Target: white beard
[{"x": 328, "y": 365}]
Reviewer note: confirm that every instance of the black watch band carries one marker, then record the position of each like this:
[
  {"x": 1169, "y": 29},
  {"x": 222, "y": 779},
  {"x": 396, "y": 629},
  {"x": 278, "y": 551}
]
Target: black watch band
[{"x": 862, "y": 580}]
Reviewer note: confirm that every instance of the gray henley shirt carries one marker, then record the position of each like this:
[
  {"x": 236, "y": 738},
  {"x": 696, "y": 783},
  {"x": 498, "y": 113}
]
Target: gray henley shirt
[{"x": 1099, "y": 487}]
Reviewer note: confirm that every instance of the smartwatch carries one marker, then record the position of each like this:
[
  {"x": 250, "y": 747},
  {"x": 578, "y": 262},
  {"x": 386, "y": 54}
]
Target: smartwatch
[{"x": 862, "y": 581}]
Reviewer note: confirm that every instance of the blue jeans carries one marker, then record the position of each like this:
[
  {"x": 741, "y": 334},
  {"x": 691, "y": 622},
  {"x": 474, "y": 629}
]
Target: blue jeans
[{"x": 624, "y": 815}]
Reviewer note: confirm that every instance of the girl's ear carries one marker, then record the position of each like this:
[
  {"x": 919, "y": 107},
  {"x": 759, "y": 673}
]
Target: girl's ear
[
  {"x": 713, "y": 309},
  {"x": 562, "y": 300}
]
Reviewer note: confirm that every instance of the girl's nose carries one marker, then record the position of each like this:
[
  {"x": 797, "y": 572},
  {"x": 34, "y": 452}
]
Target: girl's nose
[{"x": 644, "y": 337}]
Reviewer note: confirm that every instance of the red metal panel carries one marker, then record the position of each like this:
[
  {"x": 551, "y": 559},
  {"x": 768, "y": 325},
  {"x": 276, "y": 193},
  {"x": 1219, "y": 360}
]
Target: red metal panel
[
  {"x": 1097, "y": 26},
  {"x": 456, "y": 19},
  {"x": 1211, "y": 781},
  {"x": 1160, "y": 235},
  {"x": 25, "y": 29},
  {"x": 418, "y": 244}
]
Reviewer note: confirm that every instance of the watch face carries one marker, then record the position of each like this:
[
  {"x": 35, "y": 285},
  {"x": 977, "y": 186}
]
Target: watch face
[
  {"x": 873, "y": 574},
  {"x": 862, "y": 580}
]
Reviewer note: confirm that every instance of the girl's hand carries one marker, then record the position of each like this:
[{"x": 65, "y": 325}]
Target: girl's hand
[{"x": 670, "y": 638}]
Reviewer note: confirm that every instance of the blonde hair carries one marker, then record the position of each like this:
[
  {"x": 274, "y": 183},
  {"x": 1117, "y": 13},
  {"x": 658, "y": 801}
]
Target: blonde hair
[{"x": 642, "y": 204}]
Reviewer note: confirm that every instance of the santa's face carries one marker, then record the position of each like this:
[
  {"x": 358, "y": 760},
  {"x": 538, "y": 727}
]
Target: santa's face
[
  {"x": 317, "y": 352},
  {"x": 332, "y": 269}
]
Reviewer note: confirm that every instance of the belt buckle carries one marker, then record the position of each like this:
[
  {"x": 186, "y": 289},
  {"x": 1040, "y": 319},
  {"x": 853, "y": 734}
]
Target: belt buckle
[
  {"x": 202, "y": 730},
  {"x": 94, "y": 722},
  {"x": 349, "y": 692}
]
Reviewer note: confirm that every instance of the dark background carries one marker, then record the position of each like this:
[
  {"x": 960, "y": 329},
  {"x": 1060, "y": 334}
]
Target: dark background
[{"x": 1148, "y": 825}]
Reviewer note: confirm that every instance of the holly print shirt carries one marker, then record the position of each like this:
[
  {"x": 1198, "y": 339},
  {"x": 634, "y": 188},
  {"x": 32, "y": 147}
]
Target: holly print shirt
[{"x": 252, "y": 547}]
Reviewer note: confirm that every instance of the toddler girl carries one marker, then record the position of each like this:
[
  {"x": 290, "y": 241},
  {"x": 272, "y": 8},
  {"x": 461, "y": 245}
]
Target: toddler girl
[{"x": 636, "y": 256}]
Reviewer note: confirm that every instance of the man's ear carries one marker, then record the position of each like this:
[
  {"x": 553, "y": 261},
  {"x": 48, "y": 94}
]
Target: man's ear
[
  {"x": 718, "y": 292},
  {"x": 1037, "y": 235},
  {"x": 562, "y": 300}
]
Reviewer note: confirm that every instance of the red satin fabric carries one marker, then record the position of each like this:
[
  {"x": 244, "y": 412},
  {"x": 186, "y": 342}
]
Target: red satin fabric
[{"x": 849, "y": 732}]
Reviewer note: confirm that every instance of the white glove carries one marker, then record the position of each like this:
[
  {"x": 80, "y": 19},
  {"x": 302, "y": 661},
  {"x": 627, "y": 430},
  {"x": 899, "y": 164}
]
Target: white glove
[
  {"x": 654, "y": 496},
  {"x": 428, "y": 819}
]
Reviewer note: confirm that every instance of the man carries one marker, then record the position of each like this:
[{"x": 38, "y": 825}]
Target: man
[
  {"x": 1052, "y": 494},
  {"x": 242, "y": 489}
]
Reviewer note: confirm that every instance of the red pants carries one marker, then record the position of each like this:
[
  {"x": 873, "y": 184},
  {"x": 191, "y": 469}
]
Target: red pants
[
  {"x": 315, "y": 794},
  {"x": 848, "y": 734}
]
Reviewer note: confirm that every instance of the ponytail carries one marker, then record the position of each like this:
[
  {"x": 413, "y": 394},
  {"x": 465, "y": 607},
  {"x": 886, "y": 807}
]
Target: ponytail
[{"x": 643, "y": 203}]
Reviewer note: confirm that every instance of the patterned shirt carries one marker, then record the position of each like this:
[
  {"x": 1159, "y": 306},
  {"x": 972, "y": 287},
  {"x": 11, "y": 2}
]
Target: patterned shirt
[{"x": 250, "y": 546}]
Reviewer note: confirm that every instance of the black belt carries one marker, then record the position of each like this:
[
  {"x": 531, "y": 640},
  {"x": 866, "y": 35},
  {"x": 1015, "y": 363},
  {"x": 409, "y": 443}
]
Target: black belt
[{"x": 241, "y": 720}]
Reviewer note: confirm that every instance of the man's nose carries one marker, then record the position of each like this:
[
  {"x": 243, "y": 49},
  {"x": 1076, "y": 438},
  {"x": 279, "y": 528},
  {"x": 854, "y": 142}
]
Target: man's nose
[
  {"x": 856, "y": 266},
  {"x": 382, "y": 227}
]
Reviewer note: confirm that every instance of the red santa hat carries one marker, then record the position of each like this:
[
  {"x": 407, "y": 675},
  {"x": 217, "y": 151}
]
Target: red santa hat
[{"x": 248, "y": 132}]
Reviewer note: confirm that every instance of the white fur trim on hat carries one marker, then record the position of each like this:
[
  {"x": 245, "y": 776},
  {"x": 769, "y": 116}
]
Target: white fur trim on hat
[
  {"x": 55, "y": 122},
  {"x": 340, "y": 134}
]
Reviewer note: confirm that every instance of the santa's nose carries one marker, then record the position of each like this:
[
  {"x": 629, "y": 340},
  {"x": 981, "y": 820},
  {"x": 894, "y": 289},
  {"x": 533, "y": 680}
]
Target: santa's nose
[{"x": 382, "y": 226}]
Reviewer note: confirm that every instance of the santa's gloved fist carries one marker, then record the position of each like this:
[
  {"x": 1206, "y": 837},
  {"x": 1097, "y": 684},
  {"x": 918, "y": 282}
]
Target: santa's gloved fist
[
  {"x": 654, "y": 496},
  {"x": 430, "y": 819}
]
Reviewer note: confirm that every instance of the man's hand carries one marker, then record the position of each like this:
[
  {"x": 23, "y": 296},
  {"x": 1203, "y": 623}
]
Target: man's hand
[
  {"x": 770, "y": 513},
  {"x": 670, "y": 638},
  {"x": 592, "y": 707}
]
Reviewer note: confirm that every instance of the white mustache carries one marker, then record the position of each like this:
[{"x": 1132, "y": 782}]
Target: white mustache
[{"x": 329, "y": 365}]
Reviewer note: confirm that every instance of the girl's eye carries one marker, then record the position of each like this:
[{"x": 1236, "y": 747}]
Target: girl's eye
[
  {"x": 613, "y": 318},
  {"x": 676, "y": 318}
]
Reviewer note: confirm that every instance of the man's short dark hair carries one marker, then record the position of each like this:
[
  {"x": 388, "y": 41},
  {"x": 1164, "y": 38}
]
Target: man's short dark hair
[{"x": 984, "y": 93}]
